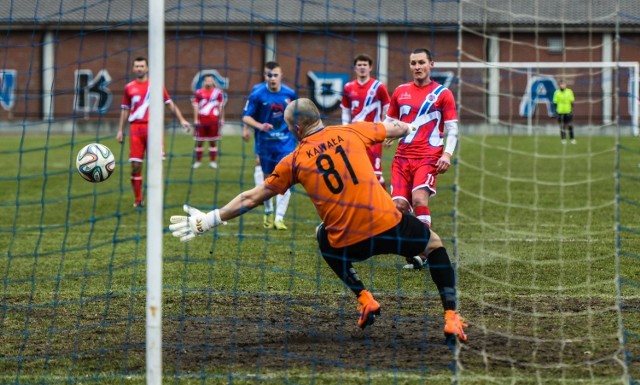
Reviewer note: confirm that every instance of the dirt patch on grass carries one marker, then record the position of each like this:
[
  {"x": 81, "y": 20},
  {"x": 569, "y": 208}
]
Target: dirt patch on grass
[
  {"x": 279, "y": 332},
  {"x": 525, "y": 338},
  {"x": 537, "y": 337}
]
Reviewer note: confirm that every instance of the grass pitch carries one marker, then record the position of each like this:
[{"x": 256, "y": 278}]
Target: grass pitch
[{"x": 532, "y": 224}]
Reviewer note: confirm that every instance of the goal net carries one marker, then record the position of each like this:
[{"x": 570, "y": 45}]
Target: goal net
[{"x": 543, "y": 233}]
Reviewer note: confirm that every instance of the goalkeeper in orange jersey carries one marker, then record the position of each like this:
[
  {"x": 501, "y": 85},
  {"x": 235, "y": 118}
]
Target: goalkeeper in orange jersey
[{"x": 359, "y": 219}]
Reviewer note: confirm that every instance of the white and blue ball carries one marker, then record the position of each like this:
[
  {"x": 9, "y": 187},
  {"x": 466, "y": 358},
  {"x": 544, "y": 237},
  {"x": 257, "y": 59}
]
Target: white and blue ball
[{"x": 95, "y": 162}]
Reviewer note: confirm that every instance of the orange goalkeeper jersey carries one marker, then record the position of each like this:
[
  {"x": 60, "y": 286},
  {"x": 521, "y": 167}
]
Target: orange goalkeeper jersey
[{"x": 333, "y": 167}]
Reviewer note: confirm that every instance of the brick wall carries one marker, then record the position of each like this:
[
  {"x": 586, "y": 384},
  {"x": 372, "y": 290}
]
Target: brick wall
[{"x": 239, "y": 57}]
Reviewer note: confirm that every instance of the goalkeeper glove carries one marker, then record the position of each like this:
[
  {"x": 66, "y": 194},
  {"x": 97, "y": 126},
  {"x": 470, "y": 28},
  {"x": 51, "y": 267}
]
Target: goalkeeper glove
[{"x": 187, "y": 227}]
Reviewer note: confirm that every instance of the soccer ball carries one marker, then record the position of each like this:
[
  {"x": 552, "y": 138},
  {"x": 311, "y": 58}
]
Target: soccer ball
[{"x": 95, "y": 162}]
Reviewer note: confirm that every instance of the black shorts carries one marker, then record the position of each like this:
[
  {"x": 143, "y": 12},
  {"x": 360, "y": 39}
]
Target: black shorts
[
  {"x": 408, "y": 238},
  {"x": 565, "y": 118}
]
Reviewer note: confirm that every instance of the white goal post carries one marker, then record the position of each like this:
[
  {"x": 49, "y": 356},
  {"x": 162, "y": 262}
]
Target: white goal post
[
  {"x": 155, "y": 199},
  {"x": 609, "y": 86}
]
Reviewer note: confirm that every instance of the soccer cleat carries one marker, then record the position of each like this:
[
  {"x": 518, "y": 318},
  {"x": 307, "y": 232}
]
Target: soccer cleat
[
  {"x": 573, "y": 141},
  {"x": 138, "y": 204},
  {"x": 414, "y": 263},
  {"x": 563, "y": 141},
  {"x": 268, "y": 221},
  {"x": 454, "y": 326},
  {"x": 196, "y": 164},
  {"x": 369, "y": 308},
  {"x": 213, "y": 164},
  {"x": 279, "y": 224}
]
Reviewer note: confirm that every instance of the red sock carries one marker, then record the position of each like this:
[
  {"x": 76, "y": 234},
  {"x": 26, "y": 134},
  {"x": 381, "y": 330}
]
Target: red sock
[
  {"x": 423, "y": 214},
  {"x": 198, "y": 154},
  {"x": 213, "y": 153},
  {"x": 136, "y": 183}
]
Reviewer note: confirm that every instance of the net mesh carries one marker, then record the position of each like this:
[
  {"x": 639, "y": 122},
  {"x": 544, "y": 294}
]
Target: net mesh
[{"x": 544, "y": 235}]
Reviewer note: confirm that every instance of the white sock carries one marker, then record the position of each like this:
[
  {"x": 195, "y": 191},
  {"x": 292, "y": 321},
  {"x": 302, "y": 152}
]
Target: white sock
[
  {"x": 258, "y": 176},
  {"x": 282, "y": 203},
  {"x": 268, "y": 206}
]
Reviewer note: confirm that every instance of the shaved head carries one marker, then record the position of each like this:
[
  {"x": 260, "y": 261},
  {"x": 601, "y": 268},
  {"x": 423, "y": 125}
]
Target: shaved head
[{"x": 302, "y": 116}]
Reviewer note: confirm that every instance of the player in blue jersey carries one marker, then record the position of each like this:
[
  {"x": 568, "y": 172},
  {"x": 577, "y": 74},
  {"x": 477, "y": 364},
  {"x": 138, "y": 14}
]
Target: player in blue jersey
[
  {"x": 264, "y": 112},
  {"x": 258, "y": 176}
]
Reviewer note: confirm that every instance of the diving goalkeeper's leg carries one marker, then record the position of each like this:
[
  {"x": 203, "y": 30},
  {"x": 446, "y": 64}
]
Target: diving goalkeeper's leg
[
  {"x": 443, "y": 276},
  {"x": 337, "y": 260}
]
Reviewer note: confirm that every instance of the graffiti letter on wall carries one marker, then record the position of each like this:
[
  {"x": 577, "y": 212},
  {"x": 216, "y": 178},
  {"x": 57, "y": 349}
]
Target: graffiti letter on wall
[
  {"x": 443, "y": 77},
  {"x": 539, "y": 91},
  {"x": 326, "y": 89},
  {"x": 7, "y": 89},
  {"x": 92, "y": 94}
]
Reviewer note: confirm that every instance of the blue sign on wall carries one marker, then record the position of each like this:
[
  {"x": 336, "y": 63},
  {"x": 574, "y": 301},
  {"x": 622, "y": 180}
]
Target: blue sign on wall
[
  {"x": 8, "y": 88},
  {"x": 326, "y": 89},
  {"x": 539, "y": 90}
]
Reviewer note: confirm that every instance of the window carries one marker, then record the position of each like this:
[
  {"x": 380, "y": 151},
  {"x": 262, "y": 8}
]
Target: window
[{"x": 555, "y": 45}]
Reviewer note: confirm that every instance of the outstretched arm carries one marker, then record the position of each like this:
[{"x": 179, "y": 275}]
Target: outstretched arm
[
  {"x": 397, "y": 129},
  {"x": 246, "y": 201},
  {"x": 196, "y": 223}
]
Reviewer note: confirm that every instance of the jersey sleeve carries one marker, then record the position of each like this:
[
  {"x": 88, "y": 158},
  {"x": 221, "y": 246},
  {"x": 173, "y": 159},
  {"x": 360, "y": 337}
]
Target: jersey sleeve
[
  {"x": 449, "y": 112},
  {"x": 346, "y": 101},
  {"x": 282, "y": 178},
  {"x": 383, "y": 95},
  {"x": 220, "y": 97},
  {"x": 195, "y": 100},
  {"x": 166, "y": 96},
  {"x": 251, "y": 106},
  {"x": 126, "y": 99},
  {"x": 392, "y": 112}
]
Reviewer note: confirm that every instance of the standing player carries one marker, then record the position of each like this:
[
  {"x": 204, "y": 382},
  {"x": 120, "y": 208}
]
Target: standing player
[
  {"x": 359, "y": 219},
  {"x": 421, "y": 156},
  {"x": 563, "y": 99},
  {"x": 366, "y": 100},
  {"x": 258, "y": 176},
  {"x": 265, "y": 112},
  {"x": 208, "y": 112},
  {"x": 135, "y": 109}
]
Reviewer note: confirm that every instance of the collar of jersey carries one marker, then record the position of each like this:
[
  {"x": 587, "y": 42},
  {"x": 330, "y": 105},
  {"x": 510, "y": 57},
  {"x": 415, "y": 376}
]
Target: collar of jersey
[{"x": 315, "y": 132}]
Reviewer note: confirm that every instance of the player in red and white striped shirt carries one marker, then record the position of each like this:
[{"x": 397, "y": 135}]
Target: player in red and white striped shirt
[
  {"x": 366, "y": 99},
  {"x": 423, "y": 155},
  {"x": 135, "y": 109},
  {"x": 420, "y": 157},
  {"x": 208, "y": 111}
]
